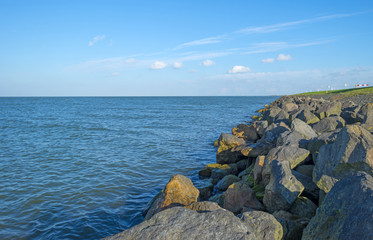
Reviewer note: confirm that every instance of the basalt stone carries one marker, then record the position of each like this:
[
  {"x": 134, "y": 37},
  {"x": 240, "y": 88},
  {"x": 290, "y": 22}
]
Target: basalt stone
[
  {"x": 329, "y": 108},
  {"x": 325, "y": 138},
  {"x": 292, "y": 225},
  {"x": 346, "y": 212},
  {"x": 351, "y": 151},
  {"x": 283, "y": 188},
  {"x": 260, "y": 127},
  {"x": 329, "y": 124},
  {"x": 245, "y": 132},
  {"x": 240, "y": 195},
  {"x": 303, "y": 128}
]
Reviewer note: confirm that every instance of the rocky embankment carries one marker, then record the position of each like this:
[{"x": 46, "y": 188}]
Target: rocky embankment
[{"x": 300, "y": 170}]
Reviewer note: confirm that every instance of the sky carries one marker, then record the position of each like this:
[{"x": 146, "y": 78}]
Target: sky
[{"x": 183, "y": 48}]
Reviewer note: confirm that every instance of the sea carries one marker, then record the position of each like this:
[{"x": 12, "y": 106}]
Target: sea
[{"x": 86, "y": 167}]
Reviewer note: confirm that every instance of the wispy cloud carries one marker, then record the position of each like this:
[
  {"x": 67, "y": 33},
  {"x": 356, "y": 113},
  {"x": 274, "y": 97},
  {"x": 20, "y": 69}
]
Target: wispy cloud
[
  {"x": 177, "y": 65},
  {"x": 130, "y": 60},
  {"x": 96, "y": 39},
  {"x": 115, "y": 74},
  {"x": 268, "y": 60}
]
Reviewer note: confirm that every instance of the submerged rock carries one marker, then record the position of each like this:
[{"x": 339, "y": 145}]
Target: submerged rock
[
  {"x": 346, "y": 212},
  {"x": 179, "y": 191}
]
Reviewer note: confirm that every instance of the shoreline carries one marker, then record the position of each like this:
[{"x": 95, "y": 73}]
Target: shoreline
[{"x": 275, "y": 170}]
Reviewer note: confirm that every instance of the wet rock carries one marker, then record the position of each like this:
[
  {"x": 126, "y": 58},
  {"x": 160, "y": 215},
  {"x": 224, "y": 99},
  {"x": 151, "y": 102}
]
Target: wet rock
[
  {"x": 226, "y": 182},
  {"x": 351, "y": 151},
  {"x": 205, "y": 189},
  {"x": 240, "y": 195},
  {"x": 179, "y": 191},
  {"x": 283, "y": 188},
  {"x": 266, "y": 225},
  {"x": 346, "y": 212},
  {"x": 292, "y": 225}
]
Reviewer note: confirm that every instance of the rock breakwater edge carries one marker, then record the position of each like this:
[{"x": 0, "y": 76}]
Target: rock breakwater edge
[{"x": 301, "y": 169}]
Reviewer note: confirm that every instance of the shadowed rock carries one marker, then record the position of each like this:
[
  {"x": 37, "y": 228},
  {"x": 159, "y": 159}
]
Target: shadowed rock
[
  {"x": 351, "y": 151},
  {"x": 240, "y": 195},
  {"x": 329, "y": 124},
  {"x": 346, "y": 212},
  {"x": 245, "y": 132}
]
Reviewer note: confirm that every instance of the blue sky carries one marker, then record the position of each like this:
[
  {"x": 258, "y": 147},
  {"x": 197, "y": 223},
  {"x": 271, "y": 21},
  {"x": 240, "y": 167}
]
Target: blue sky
[{"x": 189, "y": 48}]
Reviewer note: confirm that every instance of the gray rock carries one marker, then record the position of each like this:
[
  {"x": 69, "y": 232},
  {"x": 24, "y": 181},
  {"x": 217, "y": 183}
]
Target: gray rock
[
  {"x": 258, "y": 168},
  {"x": 292, "y": 225},
  {"x": 329, "y": 124},
  {"x": 273, "y": 132},
  {"x": 182, "y": 224},
  {"x": 205, "y": 206},
  {"x": 205, "y": 189},
  {"x": 245, "y": 132},
  {"x": 283, "y": 188},
  {"x": 365, "y": 114},
  {"x": 307, "y": 116},
  {"x": 260, "y": 127},
  {"x": 227, "y": 140},
  {"x": 291, "y": 153},
  {"x": 303, "y": 207},
  {"x": 231, "y": 155},
  {"x": 243, "y": 164},
  {"x": 329, "y": 108},
  {"x": 226, "y": 182},
  {"x": 351, "y": 151},
  {"x": 271, "y": 113},
  {"x": 289, "y": 107},
  {"x": 218, "y": 198},
  {"x": 259, "y": 148},
  {"x": 346, "y": 212},
  {"x": 305, "y": 170},
  {"x": 289, "y": 138},
  {"x": 240, "y": 195},
  {"x": 310, "y": 191},
  {"x": 350, "y": 114},
  {"x": 325, "y": 138},
  {"x": 303, "y": 128},
  {"x": 221, "y": 170},
  {"x": 282, "y": 116},
  {"x": 266, "y": 225}
]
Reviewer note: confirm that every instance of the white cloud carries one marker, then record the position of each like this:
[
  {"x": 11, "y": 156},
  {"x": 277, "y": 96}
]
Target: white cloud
[
  {"x": 239, "y": 69},
  {"x": 268, "y": 60},
  {"x": 207, "y": 63},
  {"x": 96, "y": 39},
  {"x": 177, "y": 65},
  {"x": 130, "y": 60},
  {"x": 203, "y": 41},
  {"x": 115, "y": 74},
  {"x": 283, "y": 57},
  {"x": 158, "y": 65}
]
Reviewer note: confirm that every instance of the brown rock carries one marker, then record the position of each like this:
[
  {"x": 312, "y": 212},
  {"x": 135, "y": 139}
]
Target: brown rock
[{"x": 179, "y": 191}]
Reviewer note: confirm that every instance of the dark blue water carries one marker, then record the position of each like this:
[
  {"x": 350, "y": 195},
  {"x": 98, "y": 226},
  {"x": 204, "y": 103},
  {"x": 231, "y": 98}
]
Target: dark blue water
[{"x": 85, "y": 168}]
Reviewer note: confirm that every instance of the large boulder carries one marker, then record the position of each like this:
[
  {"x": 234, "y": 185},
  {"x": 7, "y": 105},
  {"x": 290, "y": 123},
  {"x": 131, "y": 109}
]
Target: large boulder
[
  {"x": 303, "y": 207},
  {"x": 273, "y": 132},
  {"x": 232, "y": 155},
  {"x": 290, "y": 138},
  {"x": 238, "y": 196},
  {"x": 291, "y": 153},
  {"x": 260, "y": 127},
  {"x": 325, "y": 138},
  {"x": 283, "y": 188},
  {"x": 346, "y": 212},
  {"x": 303, "y": 128},
  {"x": 203, "y": 206},
  {"x": 245, "y": 132},
  {"x": 179, "y": 191},
  {"x": 310, "y": 191},
  {"x": 350, "y": 113},
  {"x": 351, "y": 151},
  {"x": 184, "y": 224},
  {"x": 227, "y": 141},
  {"x": 306, "y": 116},
  {"x": 365, "y": 114},
  {"x": 271, "y": 113},
  {"x": 259, "y": 148},
  {"x": 329, "y": 108},
  {"x": 292, "y": 225},
  {"x": 329, "y": 124},
  {"x": 266, "y": 225}
]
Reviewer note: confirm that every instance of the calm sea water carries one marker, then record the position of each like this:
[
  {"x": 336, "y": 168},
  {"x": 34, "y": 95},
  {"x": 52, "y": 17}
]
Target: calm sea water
[{"x": 85, "y": 168}]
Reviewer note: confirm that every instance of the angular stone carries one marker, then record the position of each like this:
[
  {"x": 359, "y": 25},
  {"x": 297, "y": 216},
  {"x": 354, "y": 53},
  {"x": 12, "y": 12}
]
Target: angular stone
[
  {"x": 346, "y": 212},
  {"x": 231, "y": 155},
  {"x": 184, "y": 224},
  {"x": 260, "y": 127},
  {"x": 221, "y": 170},
  {"x": 305, "y": 170},
  {"x": 205, "y": 206},
  {"x": 227, "y": 141},
  {"x": 303, "y": 128},
  {"x": 259, "y": 148},
  {"x": 289, "y": 138},
  {"x": 351, "y": 151},
  {"x": 291, "y": 153},
  {"x": 329, "y": 108},
  {"x": 329, "y": 124},
  {"x": 271, "y": 113},
  {"x": 218, "y": 198},
  {"x": 303, "y": 207},
  {"x": 325, "y": 138},
  {"x": 273, "y": 132},
  {"x": 266, "y": 225},
  {"x": 283, "y": 188},
  {"x": 245, "y": 132},
  {"x": 307, "y": 116},
  {"x": 240, "y": 195},
  {"x": 179, "y": 191},
  {"x": 365, "y": 114},
  {"x": 310, "y": 191},
  {"x": 292, "y": 225},
  {"x": 226, "y": 182},
  {"x": 258, "y": 168}
]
